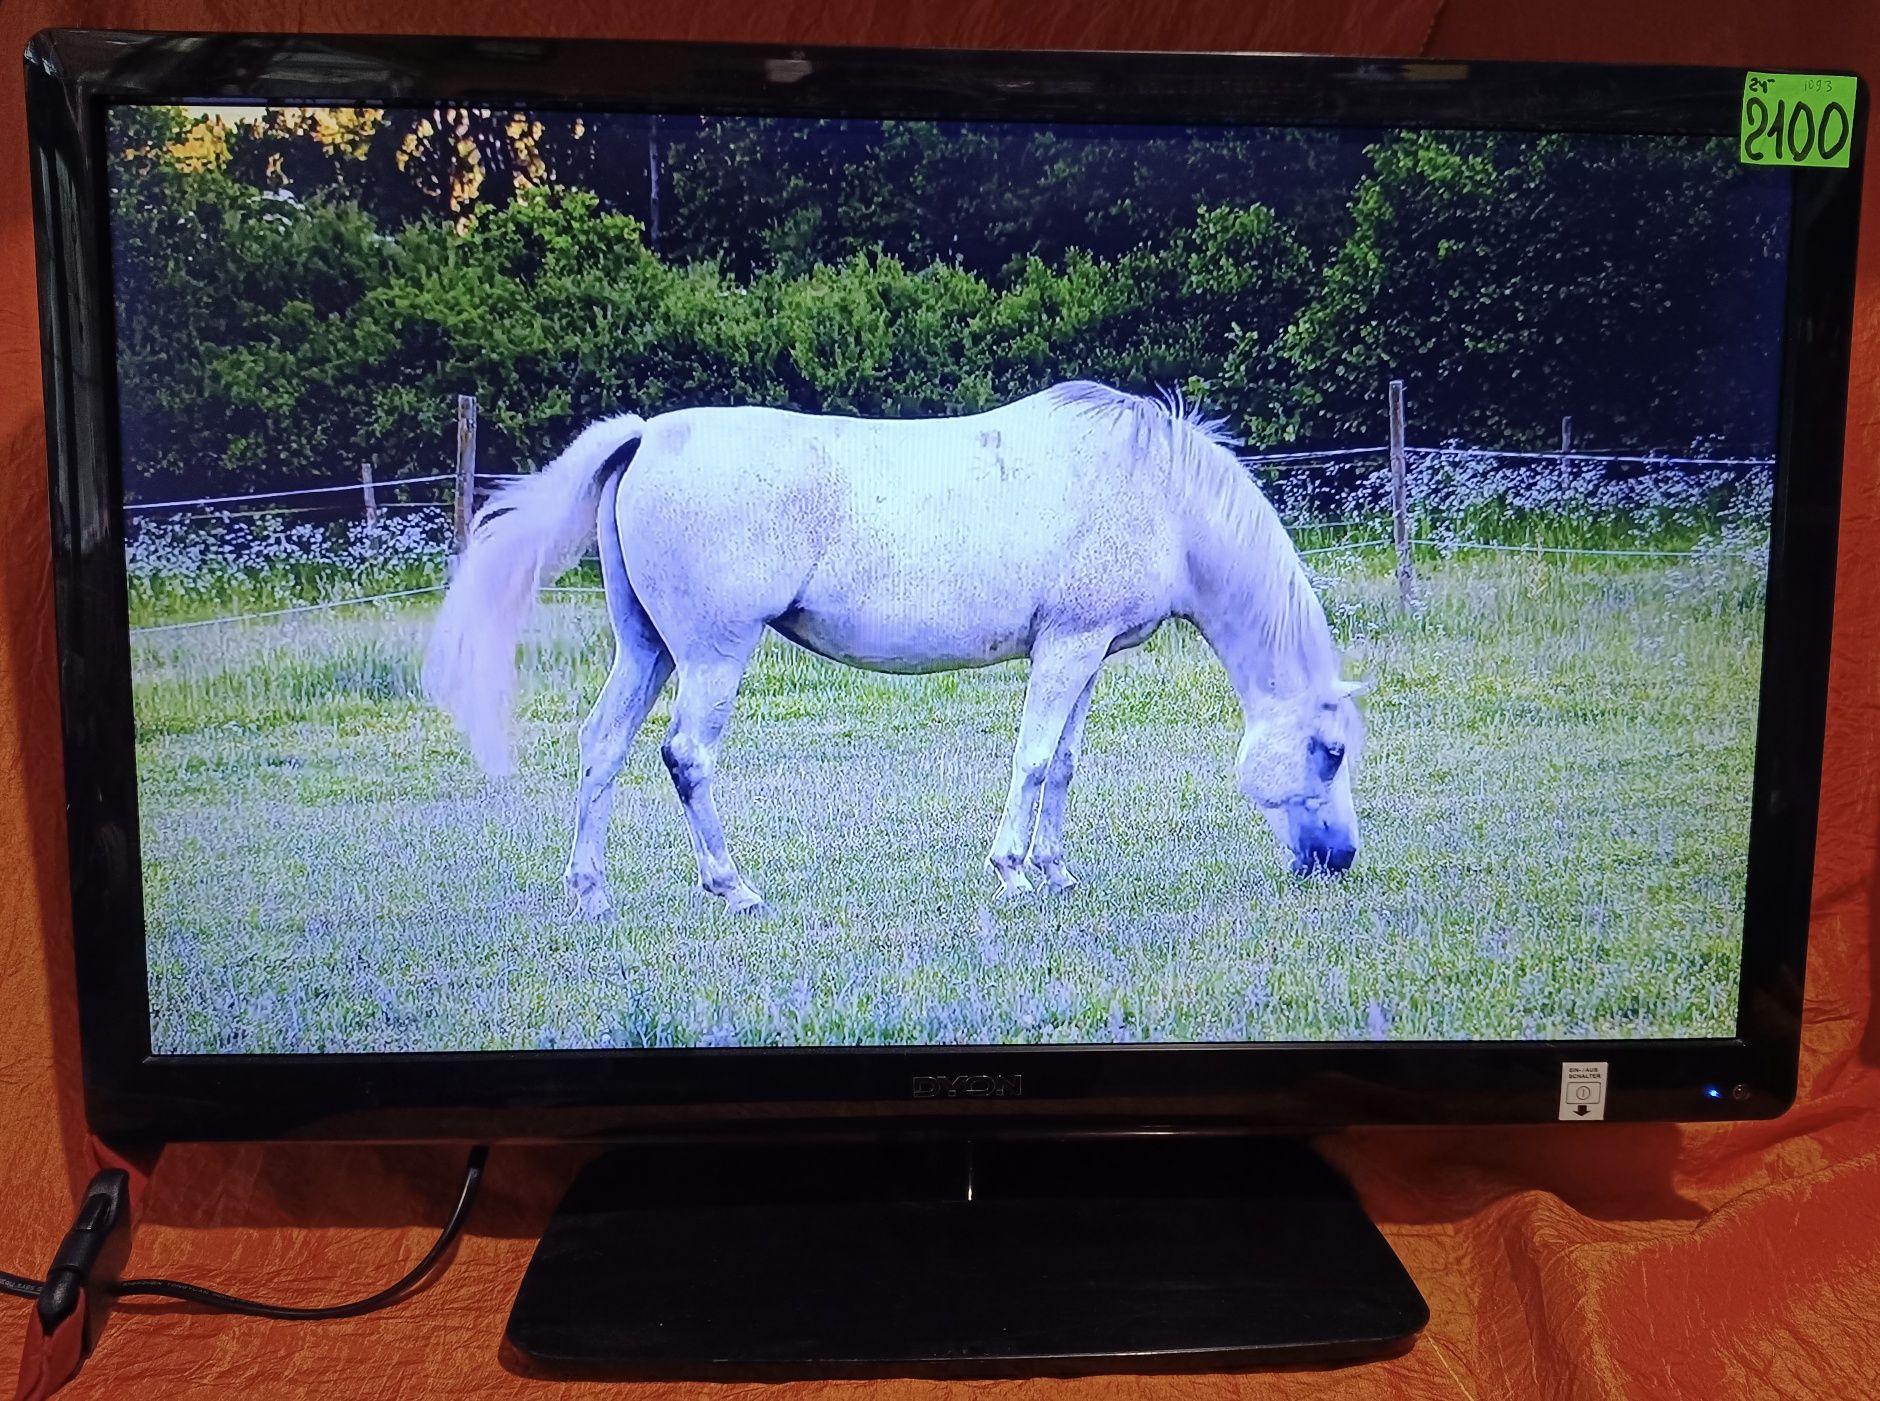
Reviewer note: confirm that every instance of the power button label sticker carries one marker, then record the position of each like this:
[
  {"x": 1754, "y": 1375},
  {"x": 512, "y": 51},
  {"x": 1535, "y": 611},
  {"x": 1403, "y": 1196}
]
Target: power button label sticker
[{"x": 1583, "y": 1089}]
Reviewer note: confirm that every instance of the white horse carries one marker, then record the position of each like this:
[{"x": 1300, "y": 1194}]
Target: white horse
[{"x": 1063, "y": 527}]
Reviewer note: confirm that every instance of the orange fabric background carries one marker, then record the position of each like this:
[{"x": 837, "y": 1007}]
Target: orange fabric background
[{"x": 1558, "y": 1262}]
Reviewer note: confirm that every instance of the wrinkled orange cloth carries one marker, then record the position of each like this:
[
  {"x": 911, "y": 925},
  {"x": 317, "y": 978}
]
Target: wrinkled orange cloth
[{"x": 1559, "y": 1261}]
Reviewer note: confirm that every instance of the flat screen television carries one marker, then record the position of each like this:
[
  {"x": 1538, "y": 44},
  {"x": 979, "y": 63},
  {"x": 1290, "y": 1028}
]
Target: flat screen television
[{"x": 730, "y": 593}]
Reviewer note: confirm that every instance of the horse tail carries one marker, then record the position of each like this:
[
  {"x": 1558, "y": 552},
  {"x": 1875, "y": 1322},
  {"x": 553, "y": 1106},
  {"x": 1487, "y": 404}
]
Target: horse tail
[{"x": 523, "y": 538}]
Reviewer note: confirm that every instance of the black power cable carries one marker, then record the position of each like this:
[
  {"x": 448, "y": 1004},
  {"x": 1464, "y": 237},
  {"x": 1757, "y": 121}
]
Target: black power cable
[{"x": 234, "y": 1303}]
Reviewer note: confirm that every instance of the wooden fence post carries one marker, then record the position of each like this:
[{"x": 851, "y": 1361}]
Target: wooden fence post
[
  {"x": 1566, "y": 440},
  {"x": 372, "y": 497},
  {"x": 1400, "y": 501},
  {"x": 652, "y": 183},
  {"x": 466, "y": 467}
]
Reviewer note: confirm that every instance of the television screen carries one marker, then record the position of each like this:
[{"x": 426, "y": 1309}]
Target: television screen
[{"x": 613, "y": 580}]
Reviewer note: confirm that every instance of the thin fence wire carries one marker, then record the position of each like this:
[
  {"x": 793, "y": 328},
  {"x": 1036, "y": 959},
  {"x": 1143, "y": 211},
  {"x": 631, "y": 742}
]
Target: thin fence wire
[
  {"x": 1316, "y": 464},
  {"x": 1277, "y": 461},
  {"x": 1335, "y": 525},
  {"x": 1499, "y": 547},
  {"x": 388, "y": 485},
  {"x": 1344, "y": 547},
  {"x": 217, "y": 513},
  {"x": 1440, "y": 544},
  {"x": 284, "y": 612},
  {"x": 1264, "y": 459},
  {"x": 1640, "y": 459},
  {"x": 1314, "y": 461}
]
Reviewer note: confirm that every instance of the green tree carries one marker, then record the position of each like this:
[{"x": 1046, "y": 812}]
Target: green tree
[
  {"x": 235, "y": 319},
  {"x": 282, "y": 320},
  {"x": 786, "y": 195},
  {"x": 1633, "y": 283}
]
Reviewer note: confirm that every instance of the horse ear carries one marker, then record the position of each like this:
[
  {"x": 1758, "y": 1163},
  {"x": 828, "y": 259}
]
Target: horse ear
[{"x": 1345, "y": 690}]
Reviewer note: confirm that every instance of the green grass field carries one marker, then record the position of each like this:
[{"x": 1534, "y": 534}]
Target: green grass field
[{"x": 1554, "y": 801}]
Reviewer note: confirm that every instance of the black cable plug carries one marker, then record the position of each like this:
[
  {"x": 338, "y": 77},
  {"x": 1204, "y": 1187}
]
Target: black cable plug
[
  {"x": 106, "y": 1207},
  {"x": 103, "y": 1212}
]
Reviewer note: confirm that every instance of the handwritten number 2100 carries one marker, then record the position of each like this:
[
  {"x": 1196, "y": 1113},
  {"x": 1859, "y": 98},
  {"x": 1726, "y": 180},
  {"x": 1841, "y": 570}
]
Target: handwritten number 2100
[{"x": 1794, "y": 130}]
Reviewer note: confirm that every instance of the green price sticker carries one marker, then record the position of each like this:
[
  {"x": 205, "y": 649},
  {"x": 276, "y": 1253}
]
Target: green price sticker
[{"x": 1797, "y": 119}]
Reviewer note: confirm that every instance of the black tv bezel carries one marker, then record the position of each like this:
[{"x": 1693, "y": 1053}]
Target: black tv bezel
[{"x": 72, "y": 75}]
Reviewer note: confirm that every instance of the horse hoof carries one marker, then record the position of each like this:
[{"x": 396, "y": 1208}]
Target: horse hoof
[
  {"x": 1055, "y": 875},
  {"x": 748, "y": 902},
  {"x": 593, "y": 902},
  {"x": 1012, "y": 880}
]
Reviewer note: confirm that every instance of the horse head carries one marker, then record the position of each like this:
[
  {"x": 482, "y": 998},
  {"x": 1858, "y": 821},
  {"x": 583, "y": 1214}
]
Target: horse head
[{"x": 1295, "y": 762}]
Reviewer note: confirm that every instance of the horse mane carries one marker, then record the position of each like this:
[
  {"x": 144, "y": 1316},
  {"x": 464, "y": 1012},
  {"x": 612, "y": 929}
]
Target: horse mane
[{"x": 1207, "y": 475}]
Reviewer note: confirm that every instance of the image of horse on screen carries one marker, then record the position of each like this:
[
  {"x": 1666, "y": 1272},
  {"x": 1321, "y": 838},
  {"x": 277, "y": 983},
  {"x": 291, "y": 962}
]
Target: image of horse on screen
[{"x": 603, "y": 580}]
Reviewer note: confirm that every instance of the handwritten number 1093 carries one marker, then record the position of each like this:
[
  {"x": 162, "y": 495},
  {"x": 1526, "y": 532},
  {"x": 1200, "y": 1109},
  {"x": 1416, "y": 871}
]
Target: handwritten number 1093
[{"x": 1793, "y": 131}]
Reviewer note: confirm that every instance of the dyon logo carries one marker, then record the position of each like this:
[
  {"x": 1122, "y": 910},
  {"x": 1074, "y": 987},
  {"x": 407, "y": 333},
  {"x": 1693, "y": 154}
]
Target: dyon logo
[{"x": 968, "y": 1086}]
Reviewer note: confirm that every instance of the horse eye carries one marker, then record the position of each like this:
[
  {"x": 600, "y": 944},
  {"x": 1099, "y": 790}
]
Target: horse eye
[{"x": 1327, "y": 756}]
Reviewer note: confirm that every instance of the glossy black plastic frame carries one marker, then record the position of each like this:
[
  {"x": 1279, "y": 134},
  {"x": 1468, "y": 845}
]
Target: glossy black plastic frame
[{"x": 73, "y": 75}]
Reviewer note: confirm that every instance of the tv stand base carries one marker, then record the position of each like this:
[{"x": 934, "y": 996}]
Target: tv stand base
[{"x": 755, "y": 1261}]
